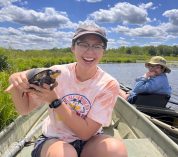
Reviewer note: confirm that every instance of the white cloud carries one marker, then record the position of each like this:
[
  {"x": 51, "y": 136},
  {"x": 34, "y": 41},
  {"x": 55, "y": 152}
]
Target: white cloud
[
  {"x": 155, "y": 43},
  {"x": 4, "y": 3},
  {"x": 146, "y": 6},
  {"x": 163, "y": 31},
  {"x": 9, "y": 31},
  {"x": 123, "y": 43},
  {"x": 122, "y": 38},
  {"x": 113, "y": 43},
  {"x": 170, "y": 28},
  {"x": 93, "y": 1},
  {"x": 39, "y": 30},
  {"x": 34, "y": 38},
  {"x": 172, "y": 15},
  {"x": 49, "y": 28},
  {"x": 146, "y": 31},
  {"x": 45, "y": 32},
  {"x": 49, "y": 18},
  {"x": 122, "y": 12}
]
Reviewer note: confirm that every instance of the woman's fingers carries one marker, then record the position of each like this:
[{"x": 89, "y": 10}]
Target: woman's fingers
[
  {"x": 19, "y": 81},
  {"x": 43, "y": 92}
]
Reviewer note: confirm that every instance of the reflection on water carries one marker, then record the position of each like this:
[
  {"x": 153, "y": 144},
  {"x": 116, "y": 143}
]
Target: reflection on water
[{"x": 127, "y": 72}]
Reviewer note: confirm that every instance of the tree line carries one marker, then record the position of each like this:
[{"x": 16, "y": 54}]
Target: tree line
[{"x": 161, "y": 50}]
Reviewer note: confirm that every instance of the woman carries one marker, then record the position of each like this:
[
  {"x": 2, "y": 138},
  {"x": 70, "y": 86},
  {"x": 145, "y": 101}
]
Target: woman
[
  {"x": 153, "y": 81},
  {"x": 79, "y": 106}
]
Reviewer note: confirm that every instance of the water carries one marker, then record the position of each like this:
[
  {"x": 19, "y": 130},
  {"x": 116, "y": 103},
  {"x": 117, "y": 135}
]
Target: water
[{"x": 126, "y": 73}]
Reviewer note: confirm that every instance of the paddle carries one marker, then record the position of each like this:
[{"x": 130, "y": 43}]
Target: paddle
[{"x": 126, "y": 89}]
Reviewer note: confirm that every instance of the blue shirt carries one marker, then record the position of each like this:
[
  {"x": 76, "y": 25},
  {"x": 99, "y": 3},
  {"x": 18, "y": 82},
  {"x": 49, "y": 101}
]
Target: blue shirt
[{"x": 157, "y": 84}]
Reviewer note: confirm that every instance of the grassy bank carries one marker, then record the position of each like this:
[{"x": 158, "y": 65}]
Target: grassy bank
[{"x": 12, "y": 61}]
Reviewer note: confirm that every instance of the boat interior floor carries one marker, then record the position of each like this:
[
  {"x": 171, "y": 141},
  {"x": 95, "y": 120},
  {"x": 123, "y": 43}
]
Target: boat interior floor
[{"x": 136, "y": 147}]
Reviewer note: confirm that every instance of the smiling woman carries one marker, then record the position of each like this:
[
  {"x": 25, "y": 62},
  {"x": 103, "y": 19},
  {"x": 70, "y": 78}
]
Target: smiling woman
[
  {"x": 49, "y": 25},
  {"x": 154, "y": 81},
  {"x": 79, "y": 106}
]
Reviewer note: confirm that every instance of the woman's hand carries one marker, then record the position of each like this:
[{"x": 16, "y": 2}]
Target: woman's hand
[
  {"x": 18, "y": 81},
  {"x": 44, "y": 93},
  {"x": 149, "y": 74}
]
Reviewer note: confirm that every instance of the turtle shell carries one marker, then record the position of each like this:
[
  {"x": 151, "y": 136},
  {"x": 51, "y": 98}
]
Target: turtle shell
[{"x": 39, "y": 76}]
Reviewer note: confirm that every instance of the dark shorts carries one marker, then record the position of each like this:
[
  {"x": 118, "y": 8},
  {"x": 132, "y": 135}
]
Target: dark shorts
[{"x": 78, "y": 145}]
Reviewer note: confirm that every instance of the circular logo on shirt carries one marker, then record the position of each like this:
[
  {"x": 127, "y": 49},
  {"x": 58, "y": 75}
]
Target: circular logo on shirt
[{"x": 78, "y": 103}]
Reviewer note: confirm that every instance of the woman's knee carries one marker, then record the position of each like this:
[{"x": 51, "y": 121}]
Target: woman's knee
[
  {"x": 112, "y": 147},
  {"x": 105, "y": 146},
  {"x": 116, "y": 146},
  {"x": 58, "y": 149}
]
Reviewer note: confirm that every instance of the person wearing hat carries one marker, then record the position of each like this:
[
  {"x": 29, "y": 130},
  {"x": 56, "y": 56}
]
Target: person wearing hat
[
  {"x": 154, "y": 81},
  {"x": 79, "y": 106}
]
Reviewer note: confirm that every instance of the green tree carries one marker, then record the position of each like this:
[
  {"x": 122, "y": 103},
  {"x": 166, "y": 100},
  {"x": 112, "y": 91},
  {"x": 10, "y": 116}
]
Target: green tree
[
  {"x": 152, "y": 51},
  {"x": 128, "y": 51},
  {"x": 175, "y": 51}
]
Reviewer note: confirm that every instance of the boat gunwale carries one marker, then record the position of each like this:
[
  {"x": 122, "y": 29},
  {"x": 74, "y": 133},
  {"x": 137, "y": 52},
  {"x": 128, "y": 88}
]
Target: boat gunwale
[{"x": 163, "y": 138}]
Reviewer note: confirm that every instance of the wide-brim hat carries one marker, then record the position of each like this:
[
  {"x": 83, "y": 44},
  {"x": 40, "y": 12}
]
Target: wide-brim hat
[
  {"x": 90, "y": 29},
  {"x": 158, "y": 60}
]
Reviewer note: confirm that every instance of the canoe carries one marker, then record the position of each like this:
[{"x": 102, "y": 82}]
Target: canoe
[
  {"x": 155, "y": 109},
  {"x": 140, "y": 135}
]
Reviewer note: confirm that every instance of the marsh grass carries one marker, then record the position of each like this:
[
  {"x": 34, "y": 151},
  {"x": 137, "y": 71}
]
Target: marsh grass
[{"x": 7, "y": 111}]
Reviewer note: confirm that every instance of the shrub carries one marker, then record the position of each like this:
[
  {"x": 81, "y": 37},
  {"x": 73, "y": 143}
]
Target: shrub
[{"x": 4, "y": 65}]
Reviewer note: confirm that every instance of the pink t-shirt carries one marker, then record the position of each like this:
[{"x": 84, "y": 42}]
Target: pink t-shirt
[{"x": 94, "y": 98}]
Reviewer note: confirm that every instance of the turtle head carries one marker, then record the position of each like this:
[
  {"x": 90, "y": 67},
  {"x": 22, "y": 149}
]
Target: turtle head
[{"x": 55, "y": 74}]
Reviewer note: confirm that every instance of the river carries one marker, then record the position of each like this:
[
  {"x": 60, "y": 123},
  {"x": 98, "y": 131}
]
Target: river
[{"x": 126, "y": 73}]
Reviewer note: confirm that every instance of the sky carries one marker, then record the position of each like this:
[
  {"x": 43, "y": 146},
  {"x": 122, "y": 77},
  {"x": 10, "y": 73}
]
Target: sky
[{"x": 47, "y": 24}]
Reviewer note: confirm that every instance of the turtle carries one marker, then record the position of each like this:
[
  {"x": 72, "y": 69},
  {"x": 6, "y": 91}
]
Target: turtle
[{"x": 39, "y": 76}]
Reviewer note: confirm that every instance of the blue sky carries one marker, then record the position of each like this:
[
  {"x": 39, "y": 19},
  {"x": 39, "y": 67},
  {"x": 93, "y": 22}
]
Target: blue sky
[{"x": 45, "y": 24}]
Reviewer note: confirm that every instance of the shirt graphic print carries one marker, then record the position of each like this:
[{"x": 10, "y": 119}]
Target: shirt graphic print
[{"x": 78, "y": 103}]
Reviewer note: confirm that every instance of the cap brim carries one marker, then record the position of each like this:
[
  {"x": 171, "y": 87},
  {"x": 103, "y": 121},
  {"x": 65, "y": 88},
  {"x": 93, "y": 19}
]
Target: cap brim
[{"x": 88, "y": 32}]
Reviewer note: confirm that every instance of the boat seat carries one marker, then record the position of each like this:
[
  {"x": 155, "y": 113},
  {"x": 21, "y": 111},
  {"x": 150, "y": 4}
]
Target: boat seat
[
  {"x": 153, "y": 100},
  {"x": 141, "y": 148}
]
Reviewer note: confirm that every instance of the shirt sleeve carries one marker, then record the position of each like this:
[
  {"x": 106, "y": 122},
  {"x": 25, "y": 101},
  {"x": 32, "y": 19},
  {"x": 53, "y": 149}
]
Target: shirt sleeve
[{"x": 104, "y": 103}]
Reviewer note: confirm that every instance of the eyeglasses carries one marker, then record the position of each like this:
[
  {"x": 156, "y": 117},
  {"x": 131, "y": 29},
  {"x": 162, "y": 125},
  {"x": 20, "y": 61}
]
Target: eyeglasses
[
  {"x": 86, "y": 46},
  {"x": 155, "y": 66}
]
